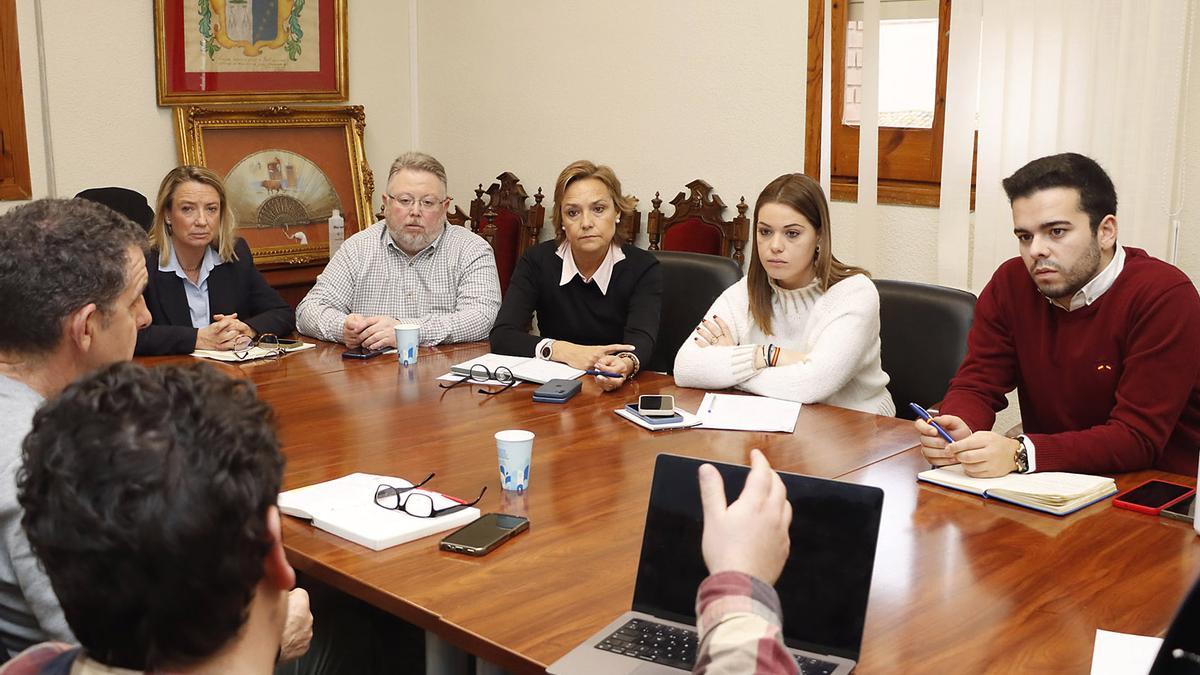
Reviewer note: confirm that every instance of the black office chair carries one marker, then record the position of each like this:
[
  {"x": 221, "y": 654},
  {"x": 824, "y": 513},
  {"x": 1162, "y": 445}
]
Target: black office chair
[
  {"x": 691, "y": 283},
  {"x": 923, "y": 330},
  {"x": 129, "y": 203}
]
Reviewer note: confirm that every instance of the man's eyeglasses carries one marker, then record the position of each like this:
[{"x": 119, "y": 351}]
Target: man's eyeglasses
[
  {"x": 406, "y": 202},
  {"x": 480, "y": 373},
  {"x": 417, "y": 504},
  {"x": 267, "y": 341}
]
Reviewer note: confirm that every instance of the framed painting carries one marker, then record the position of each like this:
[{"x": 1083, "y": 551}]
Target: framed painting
[
  {"x": 247, "y": 51},
  {"x": 285, "y": 170}
]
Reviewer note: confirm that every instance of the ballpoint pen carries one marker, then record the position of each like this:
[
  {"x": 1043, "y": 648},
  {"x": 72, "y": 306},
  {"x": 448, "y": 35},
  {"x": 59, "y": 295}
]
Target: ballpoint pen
[
  {"x": 924, "y": 415},
  {"x": 603, "y": 373}
]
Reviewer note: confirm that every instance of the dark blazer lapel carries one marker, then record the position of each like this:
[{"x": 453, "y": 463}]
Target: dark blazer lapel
[
  {"x": 222, "y": 290},
  {"x": 173, "y": 299}
]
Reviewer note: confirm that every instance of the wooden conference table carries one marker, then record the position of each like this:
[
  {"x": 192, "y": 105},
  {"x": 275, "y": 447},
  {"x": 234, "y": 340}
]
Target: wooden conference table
[{"x": 960, "y": 585}]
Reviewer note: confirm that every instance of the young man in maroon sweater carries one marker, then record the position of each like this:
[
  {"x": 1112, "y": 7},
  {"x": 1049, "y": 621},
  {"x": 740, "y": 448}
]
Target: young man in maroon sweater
[{"x": 1099, "y": 340}]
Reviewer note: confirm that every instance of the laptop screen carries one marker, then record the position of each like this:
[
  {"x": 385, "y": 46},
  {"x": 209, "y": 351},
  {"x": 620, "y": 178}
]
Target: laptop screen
[{"x": 827, "y": 577}]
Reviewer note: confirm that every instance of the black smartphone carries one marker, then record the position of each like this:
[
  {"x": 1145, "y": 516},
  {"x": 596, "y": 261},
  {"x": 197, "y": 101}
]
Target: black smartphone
[
  {"x": 361, "y": 353},
  {"x": 557, "y": 391},
  {"x": 633, "y": 408},
  {"x": 1152, "y": 496},
  {"x": 485, "y": 534},
  {"x": 1184, "y": 510}
]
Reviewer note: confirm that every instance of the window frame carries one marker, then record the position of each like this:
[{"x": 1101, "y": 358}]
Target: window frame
[
  {"x": 15, "y": 182},
  {"x": 910, "y": 160}
]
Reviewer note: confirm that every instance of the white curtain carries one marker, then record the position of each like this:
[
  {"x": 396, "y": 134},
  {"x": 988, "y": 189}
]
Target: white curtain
[{"x": 1098, "y": 77}]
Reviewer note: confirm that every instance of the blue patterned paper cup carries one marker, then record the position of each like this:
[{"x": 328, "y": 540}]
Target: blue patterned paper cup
[
  {"x": 407, "y": 341},
  {"x": 514, "y": 449}
]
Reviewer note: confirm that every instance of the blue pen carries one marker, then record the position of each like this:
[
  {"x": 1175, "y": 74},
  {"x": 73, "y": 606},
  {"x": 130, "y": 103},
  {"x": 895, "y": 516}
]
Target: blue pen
[
  {"x": 924, "y": 414},
  {"x": 602, "y": 373}
]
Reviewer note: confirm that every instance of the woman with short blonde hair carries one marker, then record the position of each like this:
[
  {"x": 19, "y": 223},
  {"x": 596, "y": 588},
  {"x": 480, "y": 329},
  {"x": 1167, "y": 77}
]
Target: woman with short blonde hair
[{"x": 597, "y": 300}]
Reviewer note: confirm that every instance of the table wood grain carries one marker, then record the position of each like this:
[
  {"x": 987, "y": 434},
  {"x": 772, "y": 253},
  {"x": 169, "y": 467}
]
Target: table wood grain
[{"x": 961, "y": 584}]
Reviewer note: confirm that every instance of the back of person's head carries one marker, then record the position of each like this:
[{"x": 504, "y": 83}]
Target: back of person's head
[
  {"x": 224, "y": 237},
  {"x": 582, "y": 170},
  {"x": 1097, "y": 196},
  {"x": 418, "y": 161},
  {"x": 57, "y": 256},
  {"x": 145, "y": 494}
]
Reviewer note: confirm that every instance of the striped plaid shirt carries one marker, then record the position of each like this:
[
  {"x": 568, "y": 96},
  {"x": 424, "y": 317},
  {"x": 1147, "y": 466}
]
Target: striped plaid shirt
[
  {"x": 740, "y": 628},
  {"x": 450, "y": 287}
]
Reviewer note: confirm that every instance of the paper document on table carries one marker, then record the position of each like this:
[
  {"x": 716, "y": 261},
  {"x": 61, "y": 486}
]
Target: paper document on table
[
  {"x": 346, "y": 507},
  {"x": 1123, "y": 653},
  {"x": 252, "y": 354},
  {"x": 747, "y": 413}
]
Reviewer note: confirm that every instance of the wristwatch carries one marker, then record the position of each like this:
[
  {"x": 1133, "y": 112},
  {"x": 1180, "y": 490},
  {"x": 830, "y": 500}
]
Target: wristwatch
[
  {"x": 1021, "y": 456},
  {"x": 545, "y": 350}
]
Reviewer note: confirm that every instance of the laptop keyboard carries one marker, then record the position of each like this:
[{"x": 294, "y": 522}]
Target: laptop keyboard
[{"x": 676, "y": 647}]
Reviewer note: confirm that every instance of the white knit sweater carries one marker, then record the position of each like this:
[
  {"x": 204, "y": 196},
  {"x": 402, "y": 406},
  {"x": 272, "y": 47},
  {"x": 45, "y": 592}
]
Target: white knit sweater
[{"x": 838, "y": 331}]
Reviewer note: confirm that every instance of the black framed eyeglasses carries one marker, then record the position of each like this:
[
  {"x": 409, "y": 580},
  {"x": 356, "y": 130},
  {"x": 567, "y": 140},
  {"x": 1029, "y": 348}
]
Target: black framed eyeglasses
[
  {"x": 481, "y": 373},
  {"x": 418, "y": 504},
  {"x": 268, "y": 341}
]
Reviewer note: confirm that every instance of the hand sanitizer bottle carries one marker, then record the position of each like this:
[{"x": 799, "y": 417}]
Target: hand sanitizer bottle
[{"x": 337, "y": 231}]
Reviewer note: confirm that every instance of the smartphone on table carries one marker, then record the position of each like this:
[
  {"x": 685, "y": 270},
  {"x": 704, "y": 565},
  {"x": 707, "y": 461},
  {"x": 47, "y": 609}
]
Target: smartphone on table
[
  {"x": 1184, "y": 509},
  {"x": 362, "y": 353},
  {"x": 1153, "y": 496},
  {"x": 656, "y": 406},
  {"x": 485, "y": 534},
  {"x": 557, "y": 391},
  {"x": 633, "y": 408}
]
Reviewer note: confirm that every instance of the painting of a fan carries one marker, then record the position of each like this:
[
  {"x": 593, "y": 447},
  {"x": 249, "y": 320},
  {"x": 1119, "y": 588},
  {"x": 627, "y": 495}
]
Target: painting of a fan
[{"x": 279, "y": 198}]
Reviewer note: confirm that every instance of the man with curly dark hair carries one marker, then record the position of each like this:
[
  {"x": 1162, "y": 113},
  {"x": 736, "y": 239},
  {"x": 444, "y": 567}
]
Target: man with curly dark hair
[{"x": 144, "y": 486}]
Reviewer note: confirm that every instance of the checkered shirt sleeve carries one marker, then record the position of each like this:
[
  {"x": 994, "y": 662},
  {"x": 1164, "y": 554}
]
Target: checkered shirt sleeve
[
  {"x": 740, "y": 628},
  {"x": 450, "y": 288}
]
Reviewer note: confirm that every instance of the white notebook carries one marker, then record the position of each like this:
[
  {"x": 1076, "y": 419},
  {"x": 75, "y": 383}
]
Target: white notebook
[
  {"x": 747, "y": 413},
  {"x": 252, "y": 354},
  {"x": 523, "y": 368},
  {"x": 346, "y": 507},
  {"x": 1052, "y": 492}
]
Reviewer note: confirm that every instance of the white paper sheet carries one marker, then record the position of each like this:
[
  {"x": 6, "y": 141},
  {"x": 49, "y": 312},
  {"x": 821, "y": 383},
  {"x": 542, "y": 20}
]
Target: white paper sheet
[
  {"x": 1123, "y": 654},
  {"x": 747, "y": 413}
]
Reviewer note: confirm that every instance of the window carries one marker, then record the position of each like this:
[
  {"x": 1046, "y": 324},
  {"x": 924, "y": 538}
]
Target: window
[
  {"x": 14, "y": 153},
  {"x": 914, "y": 41}
]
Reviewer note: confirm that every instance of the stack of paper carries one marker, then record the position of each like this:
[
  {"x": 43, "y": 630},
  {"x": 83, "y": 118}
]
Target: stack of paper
[
  {"x": 1051, "y": 492},
  {"x": 346, "y": 507},
  {"x": 689, "y": 420},
  {"x": 523, "y": 368},
  {"x": 747, "y": 413}
]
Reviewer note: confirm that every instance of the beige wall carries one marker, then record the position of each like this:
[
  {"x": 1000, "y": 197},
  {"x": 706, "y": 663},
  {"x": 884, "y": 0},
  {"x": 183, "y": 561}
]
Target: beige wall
[
  {"x": 104, "y": 125},
  {"x": 664, "y": 92}
]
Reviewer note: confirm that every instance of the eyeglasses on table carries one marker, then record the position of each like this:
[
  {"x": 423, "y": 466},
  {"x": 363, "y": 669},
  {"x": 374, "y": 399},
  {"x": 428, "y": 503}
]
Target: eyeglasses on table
[
  {"x": 481, "y": 373},
  {"x": 418, "y": 504}
]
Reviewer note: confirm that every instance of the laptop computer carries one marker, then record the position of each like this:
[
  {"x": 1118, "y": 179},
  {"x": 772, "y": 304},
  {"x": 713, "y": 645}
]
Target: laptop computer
[{"x": 823, "y": 589}]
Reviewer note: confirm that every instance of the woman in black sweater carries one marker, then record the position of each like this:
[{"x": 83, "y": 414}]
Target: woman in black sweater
[{"x": 597, "y": 300}]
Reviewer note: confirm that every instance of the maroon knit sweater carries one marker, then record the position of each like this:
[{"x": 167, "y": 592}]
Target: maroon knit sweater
[{"x": 1111, "y": 387}]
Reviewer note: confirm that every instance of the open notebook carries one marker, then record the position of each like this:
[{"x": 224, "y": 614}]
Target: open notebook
[
  {"x": 1051, "y": 492},
  {"x": 523, "y": 368},
  {"x": 346, "y": 507}
]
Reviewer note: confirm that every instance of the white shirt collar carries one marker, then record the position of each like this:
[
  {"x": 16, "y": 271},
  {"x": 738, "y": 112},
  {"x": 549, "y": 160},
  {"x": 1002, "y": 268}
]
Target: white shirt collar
[
  {"x": 211, "y": 260},
  {"x": 603, "y": 273},
  {"x": 1099, "y": 283}
]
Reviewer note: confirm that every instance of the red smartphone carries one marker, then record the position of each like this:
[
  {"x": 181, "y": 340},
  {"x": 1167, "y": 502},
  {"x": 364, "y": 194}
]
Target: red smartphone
[{"x": 1153, "y": 496}]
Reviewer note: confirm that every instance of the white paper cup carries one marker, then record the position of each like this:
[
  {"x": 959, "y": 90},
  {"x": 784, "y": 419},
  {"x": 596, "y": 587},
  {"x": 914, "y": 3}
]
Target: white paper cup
[
  {"x": 407, "y": 340},
  {"x": 514, "y": 450}
]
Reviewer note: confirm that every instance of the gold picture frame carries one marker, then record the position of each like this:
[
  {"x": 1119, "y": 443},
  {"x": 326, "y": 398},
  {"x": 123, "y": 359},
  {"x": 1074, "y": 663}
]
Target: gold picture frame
[
  {"x": 285, "y": 169},
  {"x": 205, "y": 54}
]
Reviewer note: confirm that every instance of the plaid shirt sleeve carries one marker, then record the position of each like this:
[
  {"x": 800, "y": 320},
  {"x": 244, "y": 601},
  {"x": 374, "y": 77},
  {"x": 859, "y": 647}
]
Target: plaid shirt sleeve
[
  {"x": 33, "y": 660},
  {"x": 740, "y": 628}
]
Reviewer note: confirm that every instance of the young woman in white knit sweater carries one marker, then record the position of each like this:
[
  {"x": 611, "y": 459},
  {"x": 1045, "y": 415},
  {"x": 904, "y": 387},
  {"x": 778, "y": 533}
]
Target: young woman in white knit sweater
[{"x": 801, "y": 325}]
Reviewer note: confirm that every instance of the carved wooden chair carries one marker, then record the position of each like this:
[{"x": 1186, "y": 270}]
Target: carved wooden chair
[
  {"x": 698, "y": 224},
  {"x": 506, "y": 222}
]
